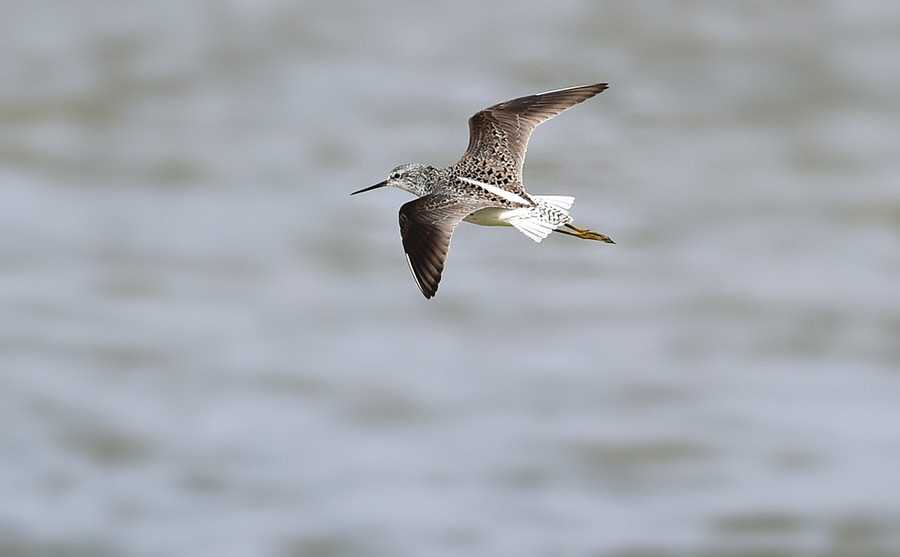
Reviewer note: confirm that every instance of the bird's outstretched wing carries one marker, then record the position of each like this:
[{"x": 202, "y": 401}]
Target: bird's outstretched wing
[
  {"x": 426, "y": 225},
  {"x": 498, "y": 135}
]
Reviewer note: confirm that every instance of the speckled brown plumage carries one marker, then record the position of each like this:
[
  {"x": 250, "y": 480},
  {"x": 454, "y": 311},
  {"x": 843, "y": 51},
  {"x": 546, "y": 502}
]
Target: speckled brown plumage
[
  {"x": 498, "y": 135},
  {"x": 485, "y": 186}
]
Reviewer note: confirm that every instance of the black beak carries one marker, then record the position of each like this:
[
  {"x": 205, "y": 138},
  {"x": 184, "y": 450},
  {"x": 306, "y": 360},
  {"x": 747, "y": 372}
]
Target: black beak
[{"x": 370, "y": 188}]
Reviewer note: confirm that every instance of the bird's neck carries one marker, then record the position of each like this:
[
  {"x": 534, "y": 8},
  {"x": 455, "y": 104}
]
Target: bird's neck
[{"x": 427, "y": 180}]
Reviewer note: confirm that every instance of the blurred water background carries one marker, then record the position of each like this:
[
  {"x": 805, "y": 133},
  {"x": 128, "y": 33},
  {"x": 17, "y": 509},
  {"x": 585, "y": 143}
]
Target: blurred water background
[{"x": 208, "y": 348}]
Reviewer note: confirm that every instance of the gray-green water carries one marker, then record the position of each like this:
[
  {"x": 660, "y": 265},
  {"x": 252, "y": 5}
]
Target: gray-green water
[{"x": 208, "y": 348}]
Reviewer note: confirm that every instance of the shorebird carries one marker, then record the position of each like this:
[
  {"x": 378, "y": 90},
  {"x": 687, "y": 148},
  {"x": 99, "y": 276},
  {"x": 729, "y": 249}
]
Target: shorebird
[{"x": 485, "y": 186}]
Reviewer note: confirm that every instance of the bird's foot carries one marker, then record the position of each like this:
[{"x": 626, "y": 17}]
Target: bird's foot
[{"x": 586, "y": 234}]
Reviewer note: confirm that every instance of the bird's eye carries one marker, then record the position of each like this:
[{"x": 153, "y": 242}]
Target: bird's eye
[{"x": 395, "y": 176}]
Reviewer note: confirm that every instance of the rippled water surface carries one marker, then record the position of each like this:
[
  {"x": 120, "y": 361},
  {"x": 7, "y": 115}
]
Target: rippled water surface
[{"x": 208, "y": 348}]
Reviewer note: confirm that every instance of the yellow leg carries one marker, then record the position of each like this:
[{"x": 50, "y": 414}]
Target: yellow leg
[{"x": 585, "y": 234}]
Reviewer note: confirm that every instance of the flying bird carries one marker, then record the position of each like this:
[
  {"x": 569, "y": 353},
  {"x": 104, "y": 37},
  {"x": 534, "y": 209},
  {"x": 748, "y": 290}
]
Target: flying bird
[{"x": 485, "y": 186}]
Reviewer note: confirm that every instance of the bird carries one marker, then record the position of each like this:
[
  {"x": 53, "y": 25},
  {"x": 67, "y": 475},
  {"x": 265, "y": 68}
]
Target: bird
[{"x": 485, "y": 186}]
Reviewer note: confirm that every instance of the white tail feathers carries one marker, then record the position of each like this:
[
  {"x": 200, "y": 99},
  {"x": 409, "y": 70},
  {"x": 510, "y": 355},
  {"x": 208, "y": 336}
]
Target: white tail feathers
[
  {"x": 532, "y": 226},
  {"x": 536, "y": 223}
]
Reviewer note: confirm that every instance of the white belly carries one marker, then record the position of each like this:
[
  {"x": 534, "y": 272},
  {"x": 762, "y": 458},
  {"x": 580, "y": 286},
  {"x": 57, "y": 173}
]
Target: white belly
[
  {"x": 536, "y": 222},
  {"x": 493, "y": 216}
]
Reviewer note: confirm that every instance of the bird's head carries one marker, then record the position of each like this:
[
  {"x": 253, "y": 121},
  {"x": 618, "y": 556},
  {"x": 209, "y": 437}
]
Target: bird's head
[{"x": 414, "y": 178}]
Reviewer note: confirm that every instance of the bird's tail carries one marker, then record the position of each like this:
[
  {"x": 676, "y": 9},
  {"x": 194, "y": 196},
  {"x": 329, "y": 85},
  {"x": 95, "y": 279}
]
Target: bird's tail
[
  {"x": 549, "y": 213},
  {"x": 561, "y": 204}
]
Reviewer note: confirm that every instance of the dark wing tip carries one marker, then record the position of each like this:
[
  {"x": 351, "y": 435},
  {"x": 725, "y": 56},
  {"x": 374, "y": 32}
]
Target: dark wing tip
[
  {"x": 426, "y": 247},
  {"x": 425, "y": 269}
]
